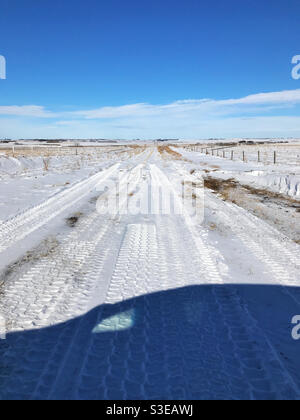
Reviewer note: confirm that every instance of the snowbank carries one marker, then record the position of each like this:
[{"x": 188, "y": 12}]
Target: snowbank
[
  {"x": 13, "y": 166},
  {"x": 281, "y": 178},
  {"x": 283, "y": 184}
]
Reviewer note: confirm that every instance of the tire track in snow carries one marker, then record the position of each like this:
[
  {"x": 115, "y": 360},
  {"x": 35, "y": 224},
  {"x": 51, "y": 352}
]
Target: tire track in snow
[
  {"x": 257, "y": 238},
  {"x": 60, "y": 287},
  {"x": 22, "y": 225},
  {"x": 127, "y": 183},
  {"x": 159, "y": 178},
  {"x": 271, "y": 367},
  {"x": 194, "y": 343}
]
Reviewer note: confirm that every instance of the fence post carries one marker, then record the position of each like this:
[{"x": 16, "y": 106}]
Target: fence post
[
  {"x": 224, "y": 154},
  {"x": 275, "y": 158},
  {"x": 244, "y": 157},
  {"x": 232, "y": 155},
  {"x": 258, "y": 156}
]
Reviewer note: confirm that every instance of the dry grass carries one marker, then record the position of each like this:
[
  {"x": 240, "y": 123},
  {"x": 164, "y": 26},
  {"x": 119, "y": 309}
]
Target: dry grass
[
  {"x": 52, "y": 151},
  {"x": 218, "y": 185},
  {"x": 45, "y": 249},
  {"x": 224, "y": 187},
  {"x": 168, "y": 153},
  {"x": 135, "y": 150},
  {"x": 193, "y": 184},
  {"x": 272, "y": 195},
  {"x": 167, "y": 150},
  {"x": 46, "y": 163},
  {"x": 276, "y": 209}
]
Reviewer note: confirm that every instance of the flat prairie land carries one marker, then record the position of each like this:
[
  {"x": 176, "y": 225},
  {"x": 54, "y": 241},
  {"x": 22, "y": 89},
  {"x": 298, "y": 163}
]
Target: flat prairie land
[{"x": 149, "y": 272}]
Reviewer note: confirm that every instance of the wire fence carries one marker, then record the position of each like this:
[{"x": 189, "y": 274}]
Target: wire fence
[{"x": 266, "y": 154}]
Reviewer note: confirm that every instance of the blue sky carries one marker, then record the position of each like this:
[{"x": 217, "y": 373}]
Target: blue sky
[{"x": 146, "y": 69}]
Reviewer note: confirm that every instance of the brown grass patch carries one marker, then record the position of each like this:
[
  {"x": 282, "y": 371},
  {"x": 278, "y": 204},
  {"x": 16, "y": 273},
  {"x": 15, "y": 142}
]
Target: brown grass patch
[
  {"x": 136, "y": 149},
  {"x": 259, "y": 202},
  {"x": 168, "y": 152},
  {"x": 167, "y": 149},
  {"x": 218, "y": 185},
  {"x": 272, "y": 195},
  {"x": 223, "y": 187}
]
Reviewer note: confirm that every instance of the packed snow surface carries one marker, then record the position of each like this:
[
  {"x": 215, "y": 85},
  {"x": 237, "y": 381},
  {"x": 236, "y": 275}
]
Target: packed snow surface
[{"x": 162, "y": 299}]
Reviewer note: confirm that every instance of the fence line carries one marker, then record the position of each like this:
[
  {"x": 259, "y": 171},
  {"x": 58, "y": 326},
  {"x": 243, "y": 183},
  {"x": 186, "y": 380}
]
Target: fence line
[{"x": 260, "y": 156}]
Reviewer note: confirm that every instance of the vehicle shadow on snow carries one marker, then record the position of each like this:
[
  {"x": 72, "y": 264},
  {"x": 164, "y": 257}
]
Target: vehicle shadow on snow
[{"x": 197, "y": 342}]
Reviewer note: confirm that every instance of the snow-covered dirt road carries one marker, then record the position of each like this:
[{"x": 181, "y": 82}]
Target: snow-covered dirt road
[{"x": 150, "y": 304}]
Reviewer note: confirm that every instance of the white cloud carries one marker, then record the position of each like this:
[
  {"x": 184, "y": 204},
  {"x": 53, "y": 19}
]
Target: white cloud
[
  {"x": 247, "y": 104},
  {"x": 119, "y": 111},
  {"x": 260, "y": 100},
  {"x": 26, "y": 111},
  {"x": 150, "y": 129},
  {"x": 246, "y": 117},
  {"x": 286, "y": 96}
]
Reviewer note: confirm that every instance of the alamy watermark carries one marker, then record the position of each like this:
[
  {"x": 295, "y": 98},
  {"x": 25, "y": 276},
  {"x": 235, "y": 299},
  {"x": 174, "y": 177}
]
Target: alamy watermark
[
  {"x": 296, "y": 329},
  {"x": 2, "y": 67},
  {"x": 151, "y": 198},
  {"x": 296, "y": 68}
]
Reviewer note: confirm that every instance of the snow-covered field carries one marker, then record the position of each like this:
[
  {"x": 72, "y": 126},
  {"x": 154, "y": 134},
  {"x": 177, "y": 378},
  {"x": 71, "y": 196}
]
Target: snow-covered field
[
  {"x": 282, "y": 177},
  {"x": 150, "y": 304}
]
